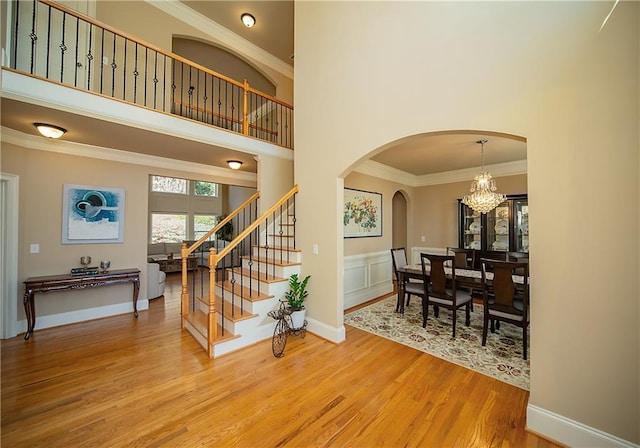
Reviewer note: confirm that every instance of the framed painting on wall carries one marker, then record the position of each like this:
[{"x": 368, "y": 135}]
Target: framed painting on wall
[
  {"x": 362, "y": 215},
  {"x": 92, "y": 215}
]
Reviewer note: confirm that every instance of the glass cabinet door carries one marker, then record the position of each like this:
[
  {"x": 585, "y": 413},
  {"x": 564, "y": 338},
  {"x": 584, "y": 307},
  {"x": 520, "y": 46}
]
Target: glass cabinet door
[
  {"x": 498, "y": 228},
  {"x": 472, "y": 229},
  {"x": 521, "y": 223}
]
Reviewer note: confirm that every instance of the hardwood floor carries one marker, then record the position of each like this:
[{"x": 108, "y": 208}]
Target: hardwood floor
[{"x": 126, "y": 382}]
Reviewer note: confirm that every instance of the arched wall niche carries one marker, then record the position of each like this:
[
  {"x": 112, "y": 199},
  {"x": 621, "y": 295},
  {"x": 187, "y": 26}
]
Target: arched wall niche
[{"x": 222, "y": 61}]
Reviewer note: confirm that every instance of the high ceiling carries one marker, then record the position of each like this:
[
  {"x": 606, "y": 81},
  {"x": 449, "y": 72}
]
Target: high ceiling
[{"x": 273, "y": 32}]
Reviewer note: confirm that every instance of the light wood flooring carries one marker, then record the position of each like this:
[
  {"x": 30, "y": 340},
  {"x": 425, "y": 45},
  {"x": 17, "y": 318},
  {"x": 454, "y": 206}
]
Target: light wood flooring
[{"x": 126, "y": 382}]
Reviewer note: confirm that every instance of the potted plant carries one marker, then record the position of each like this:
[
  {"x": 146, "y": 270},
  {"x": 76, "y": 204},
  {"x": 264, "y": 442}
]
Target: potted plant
[{"x": 295, "y": 298}]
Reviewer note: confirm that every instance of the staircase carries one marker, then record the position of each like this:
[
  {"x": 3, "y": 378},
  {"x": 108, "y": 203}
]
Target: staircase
[{"x": 225, "y": 305}]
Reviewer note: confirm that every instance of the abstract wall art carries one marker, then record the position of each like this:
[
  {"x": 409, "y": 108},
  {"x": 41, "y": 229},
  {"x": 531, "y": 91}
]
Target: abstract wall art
[{"x": 92, "y": 215}]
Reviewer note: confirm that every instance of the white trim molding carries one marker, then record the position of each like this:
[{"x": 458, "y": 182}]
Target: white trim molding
[
  {"x": 72, "y": 317},
  {"x": 9, "y": 231},
  {"x": 366, "y": 276},
  {"x": 376, "y": 169},
  {"x": 569, "y": 432}
]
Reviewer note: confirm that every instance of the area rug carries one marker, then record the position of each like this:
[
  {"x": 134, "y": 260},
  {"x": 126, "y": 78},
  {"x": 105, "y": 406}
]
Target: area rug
[{"x": 501, "y": 358}]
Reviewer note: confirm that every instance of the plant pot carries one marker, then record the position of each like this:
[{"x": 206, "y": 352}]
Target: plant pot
[{"x": 297, "y": 318}]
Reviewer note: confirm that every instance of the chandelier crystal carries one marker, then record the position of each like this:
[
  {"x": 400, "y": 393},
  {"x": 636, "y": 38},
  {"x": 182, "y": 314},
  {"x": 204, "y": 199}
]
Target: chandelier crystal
[{"x": 483, "y": 198}]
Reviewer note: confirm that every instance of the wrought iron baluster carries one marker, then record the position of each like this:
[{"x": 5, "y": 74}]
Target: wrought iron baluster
[
  {"x": 146, "y": 73},
  {"x": 155, "y": 80},
  {"x": 124, "y": 70},
  {"x": 77, "y": 62},
  {"x": 63, "y": 46},
  {"x": 113, "y": 67},
  {"x": 135, "y": 76},
  {"x": 102, "y": 60},
  {"x": 48, "y": 47},
  {"x": 89, "y": 56}
]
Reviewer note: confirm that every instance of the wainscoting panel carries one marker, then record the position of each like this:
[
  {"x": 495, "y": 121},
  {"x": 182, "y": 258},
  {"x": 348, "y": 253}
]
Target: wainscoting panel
[{"x": 366, "y": 277}]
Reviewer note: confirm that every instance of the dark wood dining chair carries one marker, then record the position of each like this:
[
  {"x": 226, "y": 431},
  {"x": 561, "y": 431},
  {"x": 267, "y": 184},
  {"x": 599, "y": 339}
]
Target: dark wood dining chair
[
  {"x": 414, "y": 287},
  {"x": 462, "y": 258},
  {"x": 505, "y": 300},
  {"x": 440, "y": 291}
]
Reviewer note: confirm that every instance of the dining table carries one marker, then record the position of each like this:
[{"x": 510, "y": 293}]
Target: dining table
[{"x": 466, "y": 278}]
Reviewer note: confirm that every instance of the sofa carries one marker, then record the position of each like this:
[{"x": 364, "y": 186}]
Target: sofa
[
  {"x": 161, "y": 250},
  {"x": 155, "y": 281}
]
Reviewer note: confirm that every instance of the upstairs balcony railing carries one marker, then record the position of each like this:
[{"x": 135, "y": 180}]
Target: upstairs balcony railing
[{"x": 50, "y": 41}]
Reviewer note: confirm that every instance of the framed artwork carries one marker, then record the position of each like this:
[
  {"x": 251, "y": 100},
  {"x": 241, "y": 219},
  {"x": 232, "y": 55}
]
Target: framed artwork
[
  {"x": 92, "y": 215},
  {"x": 362, "y": 214}
]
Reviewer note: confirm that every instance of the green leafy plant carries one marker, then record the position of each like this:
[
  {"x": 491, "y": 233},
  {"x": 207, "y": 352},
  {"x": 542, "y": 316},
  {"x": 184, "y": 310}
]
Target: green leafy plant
[{"x": 297, "y": 293}]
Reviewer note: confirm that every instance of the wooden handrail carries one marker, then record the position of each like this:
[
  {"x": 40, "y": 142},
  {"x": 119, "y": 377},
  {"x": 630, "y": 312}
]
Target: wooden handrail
[
  {"x": 219, "y": 226},
  {"x": 224, "y": 117},
  {"x": 254, "y": 225}
]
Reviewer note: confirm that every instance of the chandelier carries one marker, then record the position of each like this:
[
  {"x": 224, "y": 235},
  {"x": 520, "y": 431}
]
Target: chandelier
[{"x": 483, "y": 198}]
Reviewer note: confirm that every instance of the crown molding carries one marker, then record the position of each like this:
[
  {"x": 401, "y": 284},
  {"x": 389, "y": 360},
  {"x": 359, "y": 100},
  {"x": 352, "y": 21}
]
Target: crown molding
[
  {"x": 376, "y": 169},
  {"x": 18, "y": 138},
  {"x": 230, "y": 39}
]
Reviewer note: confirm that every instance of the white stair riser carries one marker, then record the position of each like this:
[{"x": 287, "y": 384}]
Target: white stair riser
[
  {"x": 280, "y": 271},
  {"x": 274, "y": 253}
]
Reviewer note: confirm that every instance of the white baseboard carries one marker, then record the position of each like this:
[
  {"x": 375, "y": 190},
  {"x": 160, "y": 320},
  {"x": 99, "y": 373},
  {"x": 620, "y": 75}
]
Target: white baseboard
[
  {"x": 569, "y": 432},
  {"x": 72, "y": 317},
  {"x": 331, "y": 334}
]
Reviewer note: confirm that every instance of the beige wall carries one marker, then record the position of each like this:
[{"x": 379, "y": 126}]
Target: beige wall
[
  {"x": 42, "y": 175},
  {"x": 152, "y": 25},
  {"x": 541, "y": 70},
  {"x": 358, "y": 181}
]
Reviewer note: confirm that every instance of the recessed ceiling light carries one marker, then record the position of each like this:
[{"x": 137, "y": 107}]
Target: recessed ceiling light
[
  {"x": 248, "y": 20},
  {"x": 234, "y": 164},
  {"x": 49, "y": 130}
]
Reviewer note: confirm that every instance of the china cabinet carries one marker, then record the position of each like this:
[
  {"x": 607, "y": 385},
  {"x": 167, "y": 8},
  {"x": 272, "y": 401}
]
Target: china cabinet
[{"x": 503, "y": 229}]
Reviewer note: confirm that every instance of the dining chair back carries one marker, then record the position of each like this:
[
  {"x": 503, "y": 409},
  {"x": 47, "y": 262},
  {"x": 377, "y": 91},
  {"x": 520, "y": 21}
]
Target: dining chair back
[
  {"x": 462, "y": 258},
  {"x": 408, "y": 288},
  {"x": 504, "y": 299},
  {"x": 440, "y": 290}
]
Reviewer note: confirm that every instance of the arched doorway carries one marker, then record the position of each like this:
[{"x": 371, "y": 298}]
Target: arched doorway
[{"x": 399, "y": 220}]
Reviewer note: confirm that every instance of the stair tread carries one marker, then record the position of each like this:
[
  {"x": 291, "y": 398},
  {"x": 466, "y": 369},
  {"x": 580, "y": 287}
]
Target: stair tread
[
  {"x": 266, "y": 277},
  {"x": 272, "y": 261},
  {"x": 290, "y": 249},
  {"x": 243, "y": 291},
  {"x": 200, "y": 321}
]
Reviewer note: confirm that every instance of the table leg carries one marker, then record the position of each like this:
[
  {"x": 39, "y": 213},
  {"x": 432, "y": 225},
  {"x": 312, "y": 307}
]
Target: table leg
[
  {"x": 136, "y": 290},
  {"x": 30, "y": 311},
  {"x": 400, "y": 286}
]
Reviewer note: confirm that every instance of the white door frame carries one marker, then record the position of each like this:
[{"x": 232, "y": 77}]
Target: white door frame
[{"x": 9, "y": 254}]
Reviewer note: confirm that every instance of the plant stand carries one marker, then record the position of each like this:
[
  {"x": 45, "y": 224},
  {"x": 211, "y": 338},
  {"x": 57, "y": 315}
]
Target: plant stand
[{"x": 284, "y": 326}]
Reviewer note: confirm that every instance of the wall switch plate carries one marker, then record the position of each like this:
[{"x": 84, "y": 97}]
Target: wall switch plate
[
  {"x": 315, "y": 249},
  {"x": 34, "y": 249},
  {"x": 423, "y": 238}
]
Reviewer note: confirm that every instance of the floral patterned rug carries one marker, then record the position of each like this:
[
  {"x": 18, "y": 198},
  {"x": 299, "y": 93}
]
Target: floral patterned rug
[{"x": 501, "y": 358}]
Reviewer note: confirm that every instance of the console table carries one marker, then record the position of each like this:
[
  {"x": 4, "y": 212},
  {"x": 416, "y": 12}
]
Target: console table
[{"x": 67, "y": 281}]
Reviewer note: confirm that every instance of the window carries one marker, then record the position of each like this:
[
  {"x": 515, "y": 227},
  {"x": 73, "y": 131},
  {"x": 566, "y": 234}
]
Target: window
[
  {"x": 168, "y": 227},
  {"x": 202, "y": 224},
  {"x": 203, "y": 188},
  {"x": 162, "y": 184}
]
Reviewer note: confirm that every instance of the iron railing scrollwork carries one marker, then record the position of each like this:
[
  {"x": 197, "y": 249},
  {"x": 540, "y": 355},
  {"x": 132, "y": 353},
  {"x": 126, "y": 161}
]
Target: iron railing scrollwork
[{"x": 53, "y": 42}]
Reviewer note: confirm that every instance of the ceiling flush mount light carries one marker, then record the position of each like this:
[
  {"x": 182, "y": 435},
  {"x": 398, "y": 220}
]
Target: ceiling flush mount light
[
  {"x": 49, "y": 130},
  {"x": 248, "y": 20},
  {"x": 483, "y": 197},
  {"x": 234, "y": 164}
]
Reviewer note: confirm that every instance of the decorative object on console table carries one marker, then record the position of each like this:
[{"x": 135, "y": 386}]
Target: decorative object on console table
[
  {"x": 92, "y": 215},
  {"x": 89, "y": 270},
  {"x": 362, "y": 213},
  {"x": 104, "y": 265}
]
